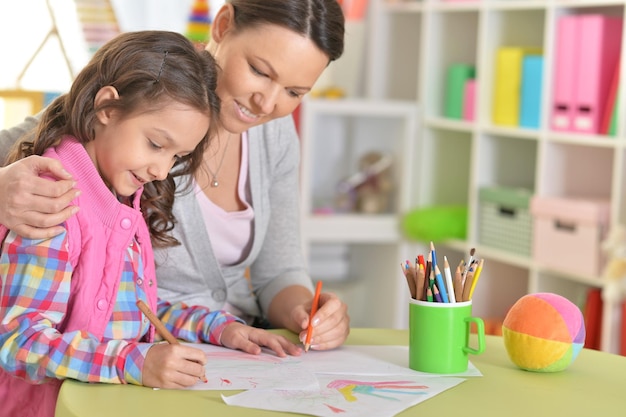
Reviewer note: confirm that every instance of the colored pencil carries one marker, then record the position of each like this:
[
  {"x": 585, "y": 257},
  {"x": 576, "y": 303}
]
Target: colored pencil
[
  {"x": 449, "y": 283},
  {"x": 160, "y": 327},
  {"x": 458, "y": 284},
  {"x": 314, "y": 306},
  {"x": 441, "y": 285},
  {"x": 479, "y": 268}
]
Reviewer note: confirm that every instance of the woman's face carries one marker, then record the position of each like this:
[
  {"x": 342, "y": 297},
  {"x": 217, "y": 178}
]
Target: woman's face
[{"x": 265, "y": 72}]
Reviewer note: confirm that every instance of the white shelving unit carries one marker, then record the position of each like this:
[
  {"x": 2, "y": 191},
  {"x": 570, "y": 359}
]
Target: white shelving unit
[
  {"x": 412, "y": 43},
  {"x": 365, "y": 249}
]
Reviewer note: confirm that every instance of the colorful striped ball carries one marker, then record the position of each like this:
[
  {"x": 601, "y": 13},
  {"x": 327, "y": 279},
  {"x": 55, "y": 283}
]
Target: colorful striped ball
[{"x": 543, "y": 332}]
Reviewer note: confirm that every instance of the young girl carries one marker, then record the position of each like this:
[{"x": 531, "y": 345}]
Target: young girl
[
  {"x": 68, "y": 304},
  {"x": 244, "y": 213}
]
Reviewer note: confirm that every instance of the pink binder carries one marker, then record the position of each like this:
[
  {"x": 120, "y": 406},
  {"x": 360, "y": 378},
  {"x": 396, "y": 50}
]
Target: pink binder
[
  {"x": 565, "y": 69},
  {"x": 598, "y": 45},
  {"x": 469, "y": 100}
]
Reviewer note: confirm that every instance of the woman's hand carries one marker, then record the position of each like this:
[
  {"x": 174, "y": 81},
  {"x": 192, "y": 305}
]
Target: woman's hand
[
  {"x": 331, "y": 323},
  {"x": 32, "y": 206},
  {"x": 250, "y": 339},
  {"x": 290, "y": 309}
]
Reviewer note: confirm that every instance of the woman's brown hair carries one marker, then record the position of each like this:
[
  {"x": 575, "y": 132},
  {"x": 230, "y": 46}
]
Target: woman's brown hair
[{"x": 322, "y": 21}]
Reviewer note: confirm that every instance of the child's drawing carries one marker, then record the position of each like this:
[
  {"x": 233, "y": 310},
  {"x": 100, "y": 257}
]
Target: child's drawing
[
  {"x": 349, "y": 388},
  {"x": 382, "y": 396},
  {"x": 228, "y": 369}
]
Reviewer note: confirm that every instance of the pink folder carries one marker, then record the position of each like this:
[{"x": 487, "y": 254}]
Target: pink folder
[
  {"x": 565, "y": 69},
  {"x": 469, "y": 100},
  {"x": 598, "y": 46}
]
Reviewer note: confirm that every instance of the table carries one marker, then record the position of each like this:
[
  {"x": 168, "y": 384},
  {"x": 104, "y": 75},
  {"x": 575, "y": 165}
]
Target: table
[{"x": 594, "y": 385}]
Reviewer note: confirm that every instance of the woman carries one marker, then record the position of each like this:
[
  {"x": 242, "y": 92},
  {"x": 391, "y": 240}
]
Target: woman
[{"x": 243, "y": 212}]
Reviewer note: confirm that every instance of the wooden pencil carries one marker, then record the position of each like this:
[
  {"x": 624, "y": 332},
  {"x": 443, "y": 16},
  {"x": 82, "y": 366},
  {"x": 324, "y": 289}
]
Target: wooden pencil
[
  {"x": 467, "y": 284},
  {"x": 458, "y": 284},
  {"x": 160, "y": 328},
  {"x": 421, "y": 279}
]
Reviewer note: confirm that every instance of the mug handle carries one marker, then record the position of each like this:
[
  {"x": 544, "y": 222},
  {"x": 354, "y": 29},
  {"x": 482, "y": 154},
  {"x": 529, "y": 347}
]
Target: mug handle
[{"x": 480, "y": 330}]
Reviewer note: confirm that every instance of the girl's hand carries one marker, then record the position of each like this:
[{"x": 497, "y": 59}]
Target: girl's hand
[
  {"x": 31, "y": 206},
  {"x": 173, "y": 366},
  {"x": 331, "y": 324},
  {"x": 250, "y": 340}
]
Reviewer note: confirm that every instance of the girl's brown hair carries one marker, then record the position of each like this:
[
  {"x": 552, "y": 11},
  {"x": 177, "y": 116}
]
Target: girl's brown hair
[{"x": 150, "y": 70}]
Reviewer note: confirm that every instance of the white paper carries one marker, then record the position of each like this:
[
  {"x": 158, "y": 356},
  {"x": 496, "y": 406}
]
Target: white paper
[
  {"x": 349, "y": 395},
  {"x": 229, "y": 369},
  {"x": 368, "y": 360}
]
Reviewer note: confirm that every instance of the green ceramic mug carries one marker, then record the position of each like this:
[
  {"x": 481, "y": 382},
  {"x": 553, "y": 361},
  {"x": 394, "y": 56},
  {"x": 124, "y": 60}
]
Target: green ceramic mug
[{"x": 439, "y": 336}]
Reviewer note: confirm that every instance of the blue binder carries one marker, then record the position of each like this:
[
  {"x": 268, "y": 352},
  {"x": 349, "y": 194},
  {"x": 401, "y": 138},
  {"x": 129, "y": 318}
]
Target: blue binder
[{"x": 530, "y": 96}]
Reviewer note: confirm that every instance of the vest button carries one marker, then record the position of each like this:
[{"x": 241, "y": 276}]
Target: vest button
[
  {"x": 125, "y": 223},
  {"x": 139, "y": 281},
  {"x": 101, "y": 304},
  {"x": 219, "y": 295}
]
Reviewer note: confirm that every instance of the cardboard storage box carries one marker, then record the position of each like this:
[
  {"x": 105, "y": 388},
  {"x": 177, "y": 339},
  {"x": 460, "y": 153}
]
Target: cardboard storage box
[
  {"x": 505, "y": 221},
  {"x": 568, "y": 233}
]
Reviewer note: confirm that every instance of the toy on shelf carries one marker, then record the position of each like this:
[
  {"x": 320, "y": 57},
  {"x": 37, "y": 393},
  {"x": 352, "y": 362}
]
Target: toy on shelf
[
  {"x": 199, "y": 24},
  {"x": 368, "y": 190}
]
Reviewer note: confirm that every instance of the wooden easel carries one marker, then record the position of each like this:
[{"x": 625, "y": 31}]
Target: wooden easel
[
  {"x": 99, "y": 24},
  {"x": 54, "y": 31}
]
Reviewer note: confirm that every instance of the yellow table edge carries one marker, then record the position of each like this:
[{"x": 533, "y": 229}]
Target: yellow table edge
[{"x": 594, "y": 385}]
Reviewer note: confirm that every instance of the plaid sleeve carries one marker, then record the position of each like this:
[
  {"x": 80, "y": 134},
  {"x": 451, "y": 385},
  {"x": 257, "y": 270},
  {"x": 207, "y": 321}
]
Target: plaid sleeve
[
  {"x": 195, "y": 324},
  {"x": 36, "y": 276}
]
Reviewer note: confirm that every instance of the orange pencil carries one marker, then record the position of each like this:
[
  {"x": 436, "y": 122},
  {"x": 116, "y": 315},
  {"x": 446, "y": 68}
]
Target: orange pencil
[
  {"x": 160, "y": 327},
  {"x": 309, "y": 330}
]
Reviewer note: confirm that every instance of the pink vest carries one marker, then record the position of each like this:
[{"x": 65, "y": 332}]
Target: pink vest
[{"x": 98, "y": 237}]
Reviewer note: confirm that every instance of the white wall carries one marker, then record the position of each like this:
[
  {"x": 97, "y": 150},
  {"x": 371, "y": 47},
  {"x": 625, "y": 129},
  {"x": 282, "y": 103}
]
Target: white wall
[{"x": 24, "y": 25}]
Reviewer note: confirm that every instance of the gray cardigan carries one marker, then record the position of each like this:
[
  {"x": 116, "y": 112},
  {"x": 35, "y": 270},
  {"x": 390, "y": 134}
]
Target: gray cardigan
[{"x": 190, "y": 272}]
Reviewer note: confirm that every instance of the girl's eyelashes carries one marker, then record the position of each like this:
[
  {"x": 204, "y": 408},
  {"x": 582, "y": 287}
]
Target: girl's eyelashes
[{"x": 154, "y": 145}]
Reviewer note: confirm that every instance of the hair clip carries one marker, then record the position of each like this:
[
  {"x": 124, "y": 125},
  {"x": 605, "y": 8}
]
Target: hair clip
[{"x": 161, "y": 69}]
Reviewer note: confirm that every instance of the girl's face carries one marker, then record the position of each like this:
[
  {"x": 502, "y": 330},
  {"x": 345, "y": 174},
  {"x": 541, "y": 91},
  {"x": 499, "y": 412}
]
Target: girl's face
[
  {"x": 265, "y": 71},
  {"x": 131, "y": 151}
]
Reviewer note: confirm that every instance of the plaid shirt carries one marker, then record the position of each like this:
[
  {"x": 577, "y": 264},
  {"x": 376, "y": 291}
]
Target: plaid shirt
[{"x": 36, "y": 288}]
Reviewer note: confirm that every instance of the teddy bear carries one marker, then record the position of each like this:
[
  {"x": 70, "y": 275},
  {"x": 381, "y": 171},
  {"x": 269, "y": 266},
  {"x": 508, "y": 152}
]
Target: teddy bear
[{"x": 368, "y": 191}]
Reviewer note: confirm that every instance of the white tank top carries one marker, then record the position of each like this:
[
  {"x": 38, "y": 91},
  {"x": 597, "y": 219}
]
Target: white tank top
[{"x": 230, "y": 233}]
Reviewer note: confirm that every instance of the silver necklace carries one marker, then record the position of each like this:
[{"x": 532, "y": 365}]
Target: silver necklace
[{"x": 214, "y": 181}]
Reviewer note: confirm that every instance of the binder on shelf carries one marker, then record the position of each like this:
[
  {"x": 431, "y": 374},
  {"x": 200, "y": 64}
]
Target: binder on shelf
[
  {"x": 506, "y": 99},
  {"x": 608, "y": 123},
  {"x": 593, "y": 318},
  {"x": 565, "y": 73},
  {"x": 457, "y": 76},
  {"x": 469, "y": 100},
  {"x": 598, "y": 51},
  {"x": 530, "y": 100},
  {"x": 613, "y": 122}
]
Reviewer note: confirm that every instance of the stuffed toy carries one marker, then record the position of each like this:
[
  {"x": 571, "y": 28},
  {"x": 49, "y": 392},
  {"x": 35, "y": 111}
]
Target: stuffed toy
[
  {"x": 543, "y": 332},
  {"x": 369, "y": 190},
  {"x": 614, "y": 272}
]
